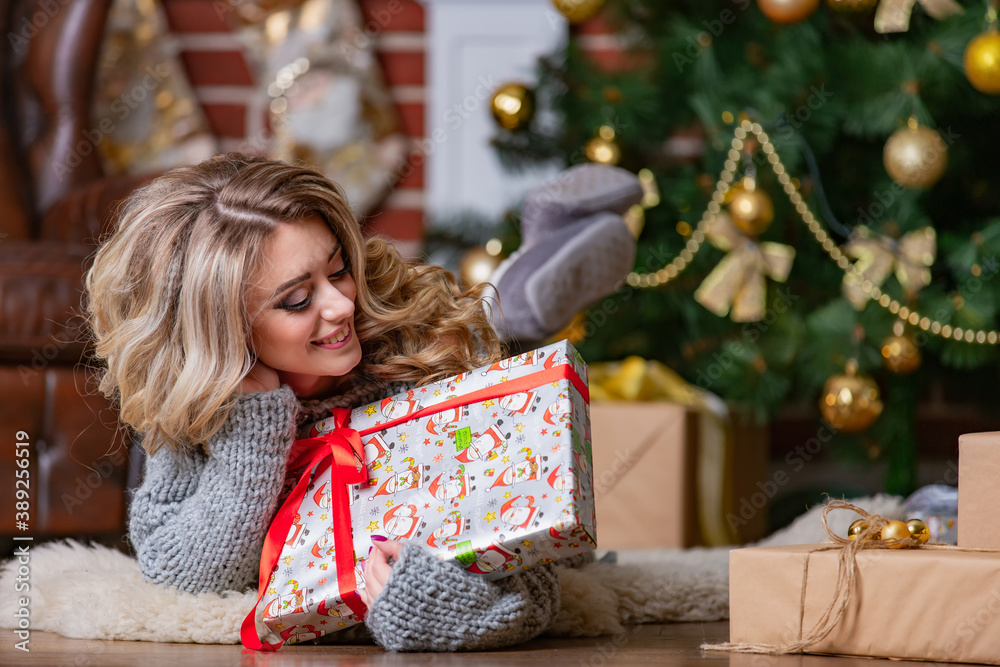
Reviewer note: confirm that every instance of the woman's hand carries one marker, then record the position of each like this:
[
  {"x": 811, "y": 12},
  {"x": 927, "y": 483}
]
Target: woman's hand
[
  {"x": 260, "y": 378},
  {"x": 378, "y": 568}
]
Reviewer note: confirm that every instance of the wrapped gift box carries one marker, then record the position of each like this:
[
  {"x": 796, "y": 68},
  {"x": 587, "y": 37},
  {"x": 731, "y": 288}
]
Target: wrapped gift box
[
  {"x": 916, "y": 604},
  {"x": 979, "y": 490},
  {"x": 491, "y": 469},
  {"x": 665, "y": 475}
]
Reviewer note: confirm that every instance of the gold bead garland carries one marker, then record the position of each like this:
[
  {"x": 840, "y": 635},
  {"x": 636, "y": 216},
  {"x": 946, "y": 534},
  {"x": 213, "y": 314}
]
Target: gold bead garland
[{"x": 697, "y": 238}]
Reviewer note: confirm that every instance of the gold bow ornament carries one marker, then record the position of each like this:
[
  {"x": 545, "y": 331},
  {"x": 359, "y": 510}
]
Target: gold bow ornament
[
  {"x": 737, "y": 285},
  {"x": 894, "y": 15},
  {"x": 876, "y": 256}
]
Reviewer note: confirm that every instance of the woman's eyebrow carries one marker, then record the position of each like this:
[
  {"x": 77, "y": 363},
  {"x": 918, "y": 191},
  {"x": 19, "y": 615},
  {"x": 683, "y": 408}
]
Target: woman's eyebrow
[{"x": 305, "y": 276}]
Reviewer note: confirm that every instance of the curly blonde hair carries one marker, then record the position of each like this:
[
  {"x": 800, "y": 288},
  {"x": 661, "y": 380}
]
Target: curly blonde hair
[{"x": 168, "y": 295}]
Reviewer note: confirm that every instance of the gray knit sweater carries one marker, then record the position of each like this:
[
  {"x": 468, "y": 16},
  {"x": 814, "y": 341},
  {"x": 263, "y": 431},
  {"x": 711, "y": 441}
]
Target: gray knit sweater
[{"x": 198, "y": 523}]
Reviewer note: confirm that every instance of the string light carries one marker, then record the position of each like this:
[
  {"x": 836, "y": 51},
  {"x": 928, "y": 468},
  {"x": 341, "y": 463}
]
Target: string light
[{"x": 790, "y": 187}]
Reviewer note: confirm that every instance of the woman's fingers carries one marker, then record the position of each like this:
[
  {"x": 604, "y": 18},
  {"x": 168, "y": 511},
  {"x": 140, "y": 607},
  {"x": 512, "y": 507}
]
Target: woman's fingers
[{"x": 378, "y": 567}]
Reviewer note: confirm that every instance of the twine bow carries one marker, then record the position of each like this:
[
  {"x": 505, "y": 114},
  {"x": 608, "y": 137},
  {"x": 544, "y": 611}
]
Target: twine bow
[
  {"x": 877, "y": 256},
  {"x": 894, "y": 15},
  {"x": 736, "y": 286}
]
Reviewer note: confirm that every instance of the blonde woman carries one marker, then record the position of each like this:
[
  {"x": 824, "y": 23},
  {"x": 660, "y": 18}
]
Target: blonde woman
[{"x": 236, "y": 300}]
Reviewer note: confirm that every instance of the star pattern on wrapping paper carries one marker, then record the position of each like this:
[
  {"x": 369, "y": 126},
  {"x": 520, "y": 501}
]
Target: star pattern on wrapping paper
[
  {"x": 403, "y": 437},
  {"x": 519, "y": 427},
  {"x": 507, "y": 495},
  {"x": 558, "y": 499},
  {"x": 505, "y": 459},
  {"x": 555, "y": 385},
  {"x": 372, "y": 526},
  {"x": 370, "y": 410},
  {"x": 324, "y": 517},
  {"x": 437, "y": 392},
  {"x": 388, "y": 469},
  {"x": 390, "y": 502},
  {"x": 272, "y": 591},
  {"x": 488, "y": 403},
  {"x": 427, "y": 441},
  {"x": 309, "y": 513},
  {"x": 503, "y": 378},
  {"x": 494, "y": 415},
  {"x": 545, "y": 431},
  {"x": 427, "y": 506},
  {"x": 527, "y": 543},
  {"x": 311, "y": 564},
  {"x": 287, "y": 560},
  {"x": 490, "y": 516}
]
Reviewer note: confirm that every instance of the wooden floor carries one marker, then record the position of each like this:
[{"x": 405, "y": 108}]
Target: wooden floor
[{"x": 675, "y": 645}]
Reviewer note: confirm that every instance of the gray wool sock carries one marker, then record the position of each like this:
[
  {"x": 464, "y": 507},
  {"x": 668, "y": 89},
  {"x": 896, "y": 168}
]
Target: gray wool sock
[
  {"x": 575, "y": 193},
  {"x": 541, "y": 288},
  {"x": 432, "y": 605}
]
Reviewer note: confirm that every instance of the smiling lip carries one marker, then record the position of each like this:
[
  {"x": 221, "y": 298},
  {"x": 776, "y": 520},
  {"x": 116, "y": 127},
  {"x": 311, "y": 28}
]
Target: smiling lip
[{"x": 337, "y": 344}]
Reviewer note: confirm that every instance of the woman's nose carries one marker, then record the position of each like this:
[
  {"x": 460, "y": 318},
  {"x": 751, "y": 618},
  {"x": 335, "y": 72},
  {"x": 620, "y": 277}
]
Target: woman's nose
[{"x": 335, "y": 305}]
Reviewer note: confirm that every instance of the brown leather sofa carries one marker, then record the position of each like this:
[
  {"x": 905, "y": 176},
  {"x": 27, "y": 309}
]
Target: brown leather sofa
[{"x": 55, "y": 203}]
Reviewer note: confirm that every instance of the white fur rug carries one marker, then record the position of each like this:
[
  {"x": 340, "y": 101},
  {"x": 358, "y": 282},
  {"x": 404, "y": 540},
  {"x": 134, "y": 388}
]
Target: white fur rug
[{"x": 646, "y": 586}]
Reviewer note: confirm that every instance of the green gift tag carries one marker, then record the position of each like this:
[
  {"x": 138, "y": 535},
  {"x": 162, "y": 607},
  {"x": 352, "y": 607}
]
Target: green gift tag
[
  {"x": 463, "y": 438},
  {"x": 464, "y": 553}
]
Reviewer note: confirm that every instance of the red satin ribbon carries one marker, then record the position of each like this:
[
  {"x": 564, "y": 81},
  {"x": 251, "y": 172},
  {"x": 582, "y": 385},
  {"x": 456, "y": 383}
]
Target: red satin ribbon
[{"x": 341, "y": 450}]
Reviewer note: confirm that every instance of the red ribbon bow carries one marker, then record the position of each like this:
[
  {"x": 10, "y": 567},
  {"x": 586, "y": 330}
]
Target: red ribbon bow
[{"x": 341, "y": 451}]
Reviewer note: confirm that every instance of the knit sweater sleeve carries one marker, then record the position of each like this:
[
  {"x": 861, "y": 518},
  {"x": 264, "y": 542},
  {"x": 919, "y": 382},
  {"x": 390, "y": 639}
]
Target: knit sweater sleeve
[
  {"x": 432, "y": 605},
  {"x": 198, "y": 520}
]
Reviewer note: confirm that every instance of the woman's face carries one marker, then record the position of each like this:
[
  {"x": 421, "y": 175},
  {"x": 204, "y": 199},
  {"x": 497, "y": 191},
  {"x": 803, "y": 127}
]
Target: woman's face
[{"x": 304, "y": 303}]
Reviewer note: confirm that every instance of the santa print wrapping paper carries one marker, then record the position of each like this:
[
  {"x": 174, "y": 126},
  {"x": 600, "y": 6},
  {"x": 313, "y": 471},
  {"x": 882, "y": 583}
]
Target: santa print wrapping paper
[{"x": 491, "y": 468}]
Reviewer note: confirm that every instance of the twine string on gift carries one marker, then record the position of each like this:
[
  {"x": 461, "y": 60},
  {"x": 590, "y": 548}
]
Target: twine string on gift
[{"x": 847, "y": 577}]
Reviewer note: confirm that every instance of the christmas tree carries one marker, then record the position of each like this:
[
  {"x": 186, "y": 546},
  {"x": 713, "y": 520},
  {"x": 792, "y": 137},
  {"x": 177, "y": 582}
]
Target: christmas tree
[{"x": 834, "y": 236}]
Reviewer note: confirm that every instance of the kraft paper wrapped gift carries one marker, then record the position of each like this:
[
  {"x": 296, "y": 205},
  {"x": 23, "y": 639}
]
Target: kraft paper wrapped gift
[
  {"x": 490, "y": 469},
  {"x": 979, "y": 490},
  {"x": 915, "y": 604}
]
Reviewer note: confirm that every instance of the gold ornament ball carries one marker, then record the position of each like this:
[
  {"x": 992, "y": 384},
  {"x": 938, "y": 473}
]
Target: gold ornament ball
[
  {"x": 919, "y": 530},
  {"x": 982, "y": 62},
  {"x": 603, "y": 151},
  {"x": 915, "y": 156},
  {"x": 576, "y": 11},
  {"x": 477, "y": 265},
  {"x": 852, "y": 6},
  {"x": 850, "y": 402},
  {"x": 513, "y": 106},
  {"x": 751, "y": 211},
  {"x": 787, "y": 11},
  {"x": 858, "y": 527},
  {"x": 900, "y": 354},
  {"x": 895, "y": 530}
]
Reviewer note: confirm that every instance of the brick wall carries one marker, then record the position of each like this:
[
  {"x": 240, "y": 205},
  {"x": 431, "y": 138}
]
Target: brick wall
[{"x": 224, "y": 85}]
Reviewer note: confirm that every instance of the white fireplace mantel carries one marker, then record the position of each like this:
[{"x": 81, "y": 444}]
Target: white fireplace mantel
[{"x": 472, "y": 47}]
